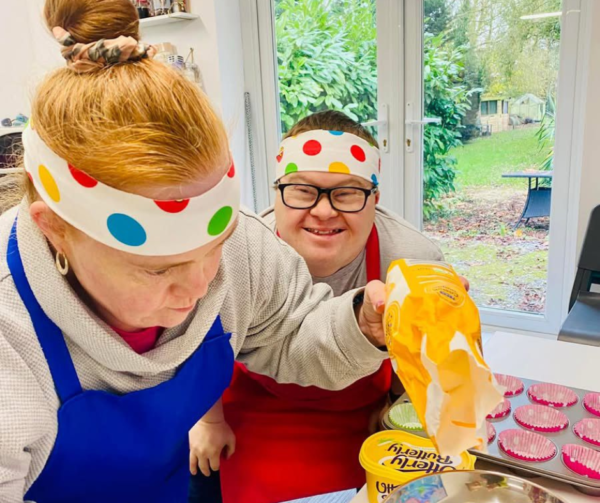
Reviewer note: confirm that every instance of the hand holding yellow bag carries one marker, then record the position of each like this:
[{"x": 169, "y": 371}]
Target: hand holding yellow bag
[{"x": 433, "y": 333}]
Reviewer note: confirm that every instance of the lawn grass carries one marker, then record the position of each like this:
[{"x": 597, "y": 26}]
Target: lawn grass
[
  {"x": 483, "y": 161},
  {"x": 500, "y": 277}
]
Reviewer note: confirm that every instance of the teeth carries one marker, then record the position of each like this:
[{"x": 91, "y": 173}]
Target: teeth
[{"x": 323, "y": 233}]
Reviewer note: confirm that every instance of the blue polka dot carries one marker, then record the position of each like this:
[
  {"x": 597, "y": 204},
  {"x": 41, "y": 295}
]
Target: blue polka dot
[
  {"x": 337, "y": 133},
  {"x": 126, "y": 230},
  {"x": 374, "y": 180}
]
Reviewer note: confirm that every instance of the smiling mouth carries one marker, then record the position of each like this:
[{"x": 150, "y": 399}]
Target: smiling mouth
[{"x": 329, "y": 232}]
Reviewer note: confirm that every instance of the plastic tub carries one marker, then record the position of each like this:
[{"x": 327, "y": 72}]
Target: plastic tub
[{"x": 393, "y": 458}]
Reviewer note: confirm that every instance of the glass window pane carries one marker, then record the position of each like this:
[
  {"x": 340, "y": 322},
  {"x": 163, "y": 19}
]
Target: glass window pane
[{"x": 498, "y": 61}]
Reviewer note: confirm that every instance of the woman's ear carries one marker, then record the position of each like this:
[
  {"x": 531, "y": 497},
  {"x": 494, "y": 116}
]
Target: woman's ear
[
  {"x": 51, "y": 226},
  {"x": 377, "y": 196}
]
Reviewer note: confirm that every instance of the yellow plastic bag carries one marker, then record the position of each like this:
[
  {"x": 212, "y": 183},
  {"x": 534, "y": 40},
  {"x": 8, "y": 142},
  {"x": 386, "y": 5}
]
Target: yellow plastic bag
[{"x": 433, "y": 333}]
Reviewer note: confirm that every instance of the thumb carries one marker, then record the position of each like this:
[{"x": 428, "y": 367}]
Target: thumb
[{"x": 374, "y": 303}]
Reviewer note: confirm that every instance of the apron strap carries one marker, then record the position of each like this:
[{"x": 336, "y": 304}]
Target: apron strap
[
  {"x": 373, "y": 258},
  {"x": 49, "y": 335}
]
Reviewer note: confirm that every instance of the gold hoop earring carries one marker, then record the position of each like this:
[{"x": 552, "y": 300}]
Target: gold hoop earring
[{"x": 62, "y": 263}]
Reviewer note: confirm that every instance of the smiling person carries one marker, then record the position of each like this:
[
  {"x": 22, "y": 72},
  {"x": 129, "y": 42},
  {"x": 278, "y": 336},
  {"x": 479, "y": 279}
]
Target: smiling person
[
  {"x": 130, "y": 279},
  {"x": 294, "y": 441}
]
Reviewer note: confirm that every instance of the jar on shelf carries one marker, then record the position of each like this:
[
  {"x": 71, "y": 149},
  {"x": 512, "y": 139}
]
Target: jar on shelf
[
  {"x": 143, "y": 8},
  {"x": 179, "y": 6},
  {"x": 176, "y": 62},
  {"x": 164, "y": 51},
  {"x": 161, "y": 7}
]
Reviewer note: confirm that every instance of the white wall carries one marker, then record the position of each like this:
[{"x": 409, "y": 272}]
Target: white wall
[
  {"x": 16, "y": 54},
  {"x": 590, "y": 176}
]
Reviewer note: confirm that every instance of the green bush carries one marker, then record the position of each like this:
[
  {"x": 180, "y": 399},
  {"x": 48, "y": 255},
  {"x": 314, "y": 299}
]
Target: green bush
[{"x": 327, "y": 58}]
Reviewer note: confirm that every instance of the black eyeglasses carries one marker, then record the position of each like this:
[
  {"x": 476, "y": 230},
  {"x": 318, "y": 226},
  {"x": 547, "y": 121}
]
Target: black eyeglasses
[{"x": 301, "y": 196}]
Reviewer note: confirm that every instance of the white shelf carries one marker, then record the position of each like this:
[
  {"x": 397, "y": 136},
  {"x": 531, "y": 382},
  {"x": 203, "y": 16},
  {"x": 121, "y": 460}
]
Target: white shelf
[{"x": 167, "y": 19}]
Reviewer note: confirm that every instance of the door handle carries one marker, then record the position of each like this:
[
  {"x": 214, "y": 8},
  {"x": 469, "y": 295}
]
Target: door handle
[
  {"x": 411, "y": 124},
  {"x": 425, "y": 120},
  {"x": 383, "y": 123}
]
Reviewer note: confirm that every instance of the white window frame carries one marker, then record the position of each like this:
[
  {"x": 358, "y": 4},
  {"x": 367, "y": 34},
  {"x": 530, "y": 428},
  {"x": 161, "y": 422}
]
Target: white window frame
[
  {"x": 400, "y": 78},
  {"x": 575, "y": 43}
]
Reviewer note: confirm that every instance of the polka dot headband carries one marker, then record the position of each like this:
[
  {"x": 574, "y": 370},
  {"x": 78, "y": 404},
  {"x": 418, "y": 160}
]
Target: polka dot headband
[
  {"x": 126, "y": 221},
  {"x": 329, "y": 152}
]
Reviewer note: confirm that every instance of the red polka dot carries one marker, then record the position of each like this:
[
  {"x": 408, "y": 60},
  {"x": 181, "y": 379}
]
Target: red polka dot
[
  {"x": 82, "y": 179},
  {"x": 312, "y": 147},
  {"x": 231, "y": 172},
  {"x": 358, "y": 153},
  {"x": 173, "y": 206},
  {"x": 280, "y": 155}
]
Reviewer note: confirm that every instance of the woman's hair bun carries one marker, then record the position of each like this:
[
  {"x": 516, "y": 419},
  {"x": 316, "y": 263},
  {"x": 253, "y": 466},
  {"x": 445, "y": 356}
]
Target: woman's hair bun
[{"x": 91, "y": 20}]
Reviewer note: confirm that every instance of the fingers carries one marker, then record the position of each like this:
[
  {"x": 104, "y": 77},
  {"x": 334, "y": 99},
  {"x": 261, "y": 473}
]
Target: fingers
[
  {"x": 204, "y": 466},
  {"x": 465, "y": 283},
  {"x": 375, "y": 297},
  {"x": 193, "y": 463},
  {"x": 215, "y": 462}
]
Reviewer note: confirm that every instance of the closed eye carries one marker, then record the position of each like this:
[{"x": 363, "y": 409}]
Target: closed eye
[{"x": 160, "y": 272}]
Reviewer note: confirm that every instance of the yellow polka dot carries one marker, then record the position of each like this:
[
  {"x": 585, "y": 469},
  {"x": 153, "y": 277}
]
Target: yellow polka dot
[
  {"x": 339, "y": 167},
  {"x": 49, "y": 183}
]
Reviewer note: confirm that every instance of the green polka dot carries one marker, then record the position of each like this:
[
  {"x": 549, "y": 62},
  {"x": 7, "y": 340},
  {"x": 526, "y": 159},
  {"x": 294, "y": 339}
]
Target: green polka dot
[
  {"x": 220, "y": 220},
  {"x": 291, "y": 168}
]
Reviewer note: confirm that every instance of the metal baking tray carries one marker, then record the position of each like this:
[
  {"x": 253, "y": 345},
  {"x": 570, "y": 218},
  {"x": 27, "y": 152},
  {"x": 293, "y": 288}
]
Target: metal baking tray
[{"x": 553, "y": 468}]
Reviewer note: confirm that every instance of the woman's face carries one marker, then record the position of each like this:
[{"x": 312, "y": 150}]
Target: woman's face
[
  {"x": 132, "y": 292},
  {"x": 327, "y": 239}
]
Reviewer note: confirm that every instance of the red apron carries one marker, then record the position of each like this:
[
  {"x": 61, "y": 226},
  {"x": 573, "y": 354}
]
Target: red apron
[{"x": 294, "y": 441}]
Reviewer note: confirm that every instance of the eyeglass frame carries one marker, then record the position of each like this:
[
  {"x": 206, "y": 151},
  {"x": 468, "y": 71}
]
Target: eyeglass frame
[{"x": 320, "y": 191}]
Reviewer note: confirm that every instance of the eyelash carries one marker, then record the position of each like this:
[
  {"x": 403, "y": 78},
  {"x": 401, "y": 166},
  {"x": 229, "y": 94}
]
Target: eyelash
[{"x": 162, "y": 272}]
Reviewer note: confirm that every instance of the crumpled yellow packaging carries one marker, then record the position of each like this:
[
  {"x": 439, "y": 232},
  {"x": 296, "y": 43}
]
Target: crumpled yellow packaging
[{"x": 433, "y": 333}]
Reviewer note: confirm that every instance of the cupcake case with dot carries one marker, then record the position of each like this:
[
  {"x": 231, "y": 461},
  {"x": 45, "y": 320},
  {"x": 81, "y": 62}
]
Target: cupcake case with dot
[{"x": 538, "y": 430}]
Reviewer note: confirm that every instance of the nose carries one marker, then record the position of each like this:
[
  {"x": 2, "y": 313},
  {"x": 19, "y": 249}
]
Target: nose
[
  {"x": 190, "y": 286},
  {"x": 323, "y": 210}
]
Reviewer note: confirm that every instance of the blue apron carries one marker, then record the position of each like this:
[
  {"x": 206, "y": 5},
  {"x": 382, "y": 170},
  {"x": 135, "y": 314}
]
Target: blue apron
[{"x": 122, "y": 448}]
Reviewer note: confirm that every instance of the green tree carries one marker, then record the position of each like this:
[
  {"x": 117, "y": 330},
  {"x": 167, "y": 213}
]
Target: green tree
[
  {"x": 446, "y": 97},
  {"x": 437, "y": 16},
  {"x": 518, "y": 55}
]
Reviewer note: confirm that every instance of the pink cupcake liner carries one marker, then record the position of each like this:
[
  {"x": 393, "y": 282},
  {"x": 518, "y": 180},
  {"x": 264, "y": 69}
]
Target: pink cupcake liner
[
  {"x": 591, "y": 402},
  {"x": 541, "y": 418},
  {"x": 588, "y": 430},
  {"x": 526, "y": 446},
  {"x": 514, "y": 386},
  {"x": 502, "y": 410},
  {"x": 553, "y": 395},
  {"x": 491, "y": 432},
  {"x": 582, "y": 460}
]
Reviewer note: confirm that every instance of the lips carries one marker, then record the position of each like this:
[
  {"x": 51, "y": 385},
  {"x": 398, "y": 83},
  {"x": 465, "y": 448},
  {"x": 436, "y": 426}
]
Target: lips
[
  {"x": 323, "y": 232},
  {"x": 183, "y": 309}
]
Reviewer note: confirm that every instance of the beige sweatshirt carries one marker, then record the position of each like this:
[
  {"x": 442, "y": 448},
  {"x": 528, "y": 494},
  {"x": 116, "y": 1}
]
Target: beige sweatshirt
[{"x": 282, "y": 326}]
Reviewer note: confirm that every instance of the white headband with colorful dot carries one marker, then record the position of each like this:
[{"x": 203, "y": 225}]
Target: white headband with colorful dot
[
  {"x": 329, "y": 152},
  {"x": 126, "y": 221}
]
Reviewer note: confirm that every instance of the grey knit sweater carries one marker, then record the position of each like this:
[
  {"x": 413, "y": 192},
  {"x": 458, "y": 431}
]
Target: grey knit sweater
[{"x": 282, "y": 326}]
